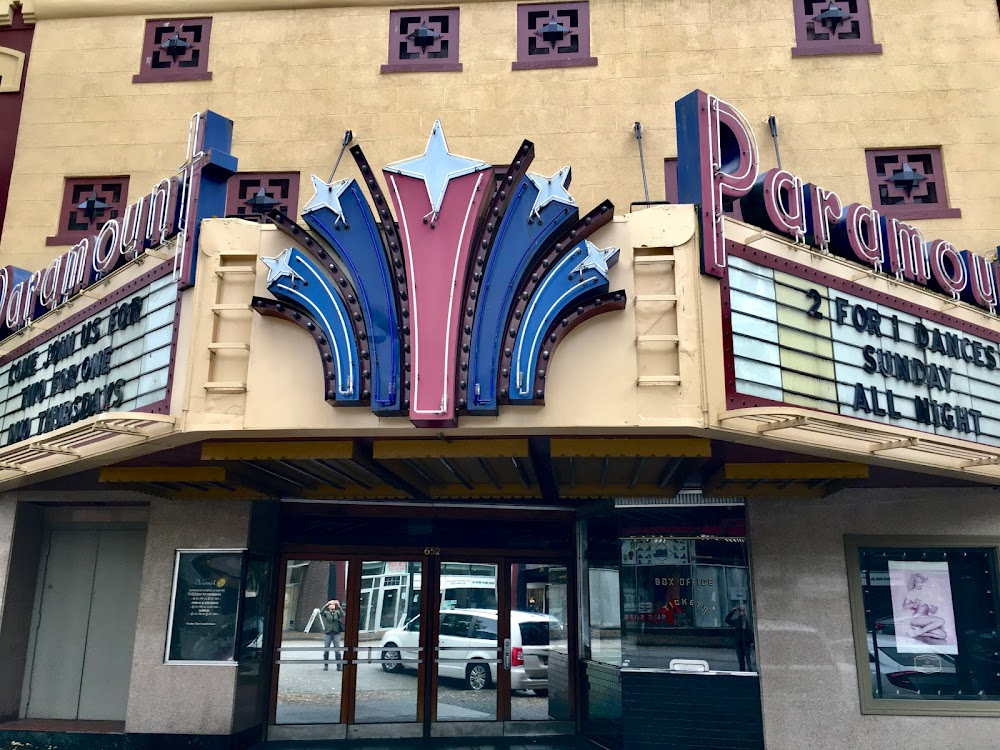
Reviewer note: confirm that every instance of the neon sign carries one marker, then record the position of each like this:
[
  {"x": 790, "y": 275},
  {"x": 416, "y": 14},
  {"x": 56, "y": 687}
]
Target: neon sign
[
  {"x": 174, "y": 208},
  {"x": 458, "y": 305},
  {"x": 718, "y": 162}
]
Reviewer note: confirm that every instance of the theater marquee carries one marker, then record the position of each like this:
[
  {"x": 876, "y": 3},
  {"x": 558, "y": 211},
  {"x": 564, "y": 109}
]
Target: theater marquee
[
  {"x": 830, "y": 346},
  {"x": 797, "y": 336},
  {"x": 116, "y": 358},
  {"x": 116, "y": 354}
]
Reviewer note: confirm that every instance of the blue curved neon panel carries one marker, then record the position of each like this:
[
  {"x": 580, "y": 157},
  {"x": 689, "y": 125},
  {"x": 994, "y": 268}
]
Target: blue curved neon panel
[
  {"x": 514, "y": 249},
  {"x": 581, "y": 271},
  {"x": 341, "y": 216},
  {"x": 294, "y": 277}
]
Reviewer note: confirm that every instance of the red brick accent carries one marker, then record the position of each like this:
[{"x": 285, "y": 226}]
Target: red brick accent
[{"x": 18, "y": 37}]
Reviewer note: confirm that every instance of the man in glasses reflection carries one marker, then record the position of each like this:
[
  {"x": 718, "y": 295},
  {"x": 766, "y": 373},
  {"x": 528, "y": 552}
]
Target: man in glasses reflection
[
  {"x": 332, "y": 619},
  {"x": 739, "y": 621}
]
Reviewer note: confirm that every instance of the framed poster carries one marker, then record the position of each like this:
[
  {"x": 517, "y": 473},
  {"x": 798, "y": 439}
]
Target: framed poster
[
  {"x": 205, "y": 606},
  {"x": 922, "y": 608}
]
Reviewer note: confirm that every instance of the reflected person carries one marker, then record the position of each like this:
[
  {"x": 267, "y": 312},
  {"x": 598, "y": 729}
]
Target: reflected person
[
  {"x": 742, "y": 634},
  {"x": 332, "y": 620}
]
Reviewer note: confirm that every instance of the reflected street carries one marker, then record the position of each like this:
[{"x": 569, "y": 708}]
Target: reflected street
[{"x": 309, "y": 695}]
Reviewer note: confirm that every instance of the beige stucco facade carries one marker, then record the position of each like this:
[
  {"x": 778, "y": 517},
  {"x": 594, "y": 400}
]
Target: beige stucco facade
[{"x": 295, "y": 77}]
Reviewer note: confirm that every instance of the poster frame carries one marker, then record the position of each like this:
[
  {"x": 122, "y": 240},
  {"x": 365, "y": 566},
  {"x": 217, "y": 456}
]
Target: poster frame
[
  {"x": 232, "y": 660},
  {"x": 871, "y": 705}
]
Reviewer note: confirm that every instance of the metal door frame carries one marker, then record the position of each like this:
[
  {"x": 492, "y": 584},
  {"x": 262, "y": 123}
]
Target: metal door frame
[{"x": 430, "y": 591}]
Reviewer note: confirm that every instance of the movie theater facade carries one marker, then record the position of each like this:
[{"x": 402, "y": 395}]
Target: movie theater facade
[{"x": 452, "y": 456}]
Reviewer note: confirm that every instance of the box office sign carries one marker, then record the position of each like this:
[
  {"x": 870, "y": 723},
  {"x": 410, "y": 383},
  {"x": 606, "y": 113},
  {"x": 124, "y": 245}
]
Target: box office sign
[
  {"x": 204, "y": 609},
  {"x": 796, "y": 340}
]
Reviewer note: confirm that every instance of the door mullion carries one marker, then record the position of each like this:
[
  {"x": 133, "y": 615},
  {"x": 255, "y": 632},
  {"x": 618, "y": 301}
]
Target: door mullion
[
  {"x": 349, "y": 681},
  {"x": 430, "y": 616},
  {"x": 503, "y": 633}
]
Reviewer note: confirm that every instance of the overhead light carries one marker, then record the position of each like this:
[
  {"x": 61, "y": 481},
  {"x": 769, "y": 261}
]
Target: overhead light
[
  {"x": 261, "y": 203},
  {"x": 832, "y": 17},
  {"x": 553, "y": 31}
]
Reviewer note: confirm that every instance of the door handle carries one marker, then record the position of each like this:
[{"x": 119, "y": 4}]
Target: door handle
[{"x": 506, "y": 654}]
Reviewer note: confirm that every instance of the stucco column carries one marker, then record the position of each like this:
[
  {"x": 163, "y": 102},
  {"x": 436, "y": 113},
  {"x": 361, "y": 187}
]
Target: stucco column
[{"x": 176, "y": 699}]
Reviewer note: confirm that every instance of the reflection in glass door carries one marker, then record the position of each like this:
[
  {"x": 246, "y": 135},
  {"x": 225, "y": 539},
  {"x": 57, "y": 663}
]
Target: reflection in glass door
[
  {"x": 390, "y": 646},
  {"x": 426, "y": 642},
  {"x": 309, "y": 663},
  {"x": 539, "y": 658},
  {"x": 468, "y": 655}
]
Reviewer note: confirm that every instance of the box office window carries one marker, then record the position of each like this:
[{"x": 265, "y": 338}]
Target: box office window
[
  {"x": 926, "y": 625},
  {"x": 682, "y": 580}
]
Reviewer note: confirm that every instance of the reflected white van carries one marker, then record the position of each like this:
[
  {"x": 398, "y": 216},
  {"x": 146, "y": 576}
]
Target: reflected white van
[{"x": 469, "y": 641}]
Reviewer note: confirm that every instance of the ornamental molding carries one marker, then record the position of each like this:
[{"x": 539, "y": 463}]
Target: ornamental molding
[{"x": 53, "y": 9}]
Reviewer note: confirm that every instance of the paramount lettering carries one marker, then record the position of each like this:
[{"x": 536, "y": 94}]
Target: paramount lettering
[
  {"x": 718, "y": 162},
  {"x": 149, "y": 222}
]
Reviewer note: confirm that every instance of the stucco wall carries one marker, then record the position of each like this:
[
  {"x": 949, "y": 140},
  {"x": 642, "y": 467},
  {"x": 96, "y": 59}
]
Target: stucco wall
[
  {"x": 295, "y": 80},
  {"x": 805, "y": 647},
  {"x": 180, "y": 699}
]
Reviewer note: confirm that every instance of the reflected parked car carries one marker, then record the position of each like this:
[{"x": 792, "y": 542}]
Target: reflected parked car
[
  {"x": 469, "y": 637},
  {"x": 909, "y": 674}
]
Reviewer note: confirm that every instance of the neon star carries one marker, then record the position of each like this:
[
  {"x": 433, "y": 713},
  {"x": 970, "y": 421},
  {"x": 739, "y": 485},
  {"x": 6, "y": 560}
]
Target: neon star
[
  {"x": 279, "y": 268},
  {"x": 437, "y": 167},
  {"x": 551, "y": 189},
  {"x": 597, "y": 259},
  {"x": 328, "y": 196}
]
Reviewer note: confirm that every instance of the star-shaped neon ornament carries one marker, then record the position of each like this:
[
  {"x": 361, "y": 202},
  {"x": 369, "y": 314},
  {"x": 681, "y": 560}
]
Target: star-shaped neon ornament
[
  {"x": 279, "y": 267},
  {"x": 550, "y": 189},
  {"x": 328, "y": 196},
  {"x": 597, "y": 258},
  {"x": 437, "y": 167}
]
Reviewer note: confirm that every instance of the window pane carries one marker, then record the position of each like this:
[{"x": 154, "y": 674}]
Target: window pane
[
  {"x": 311, "y": 658},
  {"x": 931, "y": 622},
  {"x": 685, "y": 589}
]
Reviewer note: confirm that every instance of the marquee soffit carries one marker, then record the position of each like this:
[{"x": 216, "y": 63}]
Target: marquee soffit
[
  {"x": 557, "y": 470},
  {"x": 799, "y": 426},
  {"x": 83, "y": 440}
]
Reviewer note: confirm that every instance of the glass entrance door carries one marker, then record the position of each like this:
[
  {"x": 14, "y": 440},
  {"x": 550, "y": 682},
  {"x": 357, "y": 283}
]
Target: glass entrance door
[
  {"x": 469, "y": 647},
  {"x": 433, "y": 645}
]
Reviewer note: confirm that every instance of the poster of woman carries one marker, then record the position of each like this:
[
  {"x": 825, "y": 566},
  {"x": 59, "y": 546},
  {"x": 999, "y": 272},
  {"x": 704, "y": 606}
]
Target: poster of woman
[{"x": 922, "y": 608}]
